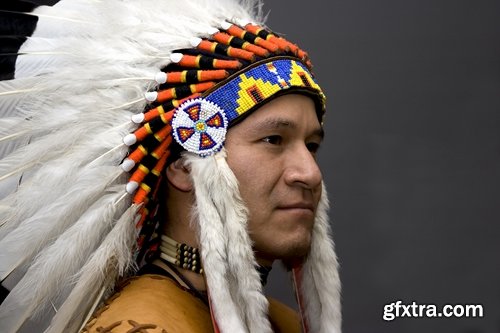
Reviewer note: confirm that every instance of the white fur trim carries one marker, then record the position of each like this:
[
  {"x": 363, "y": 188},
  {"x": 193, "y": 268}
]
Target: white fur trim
[
  {"x": 129, "y": 139},
  {"x": 213, "y": 240},
  {"x": 127, "y": 165},
  {"x": 320, "y": 277},
  {"x": 161, "y": 77},
  {"x": 151, "y": 96},
  {"x": 221, "y": 214},
  {"x": 176, "y": 57},
  {"x": 138, "y": 118},
  {"x": 225, "y": 25},
  {"x": 195, "y": 41},
  {"x": 212, "y": 30}
]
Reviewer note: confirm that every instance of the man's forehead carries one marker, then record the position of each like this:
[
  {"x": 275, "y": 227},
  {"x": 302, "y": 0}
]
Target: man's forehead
[
  {"x": 292, "y": 110},
  {"x": 285, "y": 121},
  {"x": 311, "y": 129}
]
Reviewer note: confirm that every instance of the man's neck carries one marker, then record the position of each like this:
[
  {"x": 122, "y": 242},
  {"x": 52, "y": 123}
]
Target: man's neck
[{"x": 194, "y": 278}]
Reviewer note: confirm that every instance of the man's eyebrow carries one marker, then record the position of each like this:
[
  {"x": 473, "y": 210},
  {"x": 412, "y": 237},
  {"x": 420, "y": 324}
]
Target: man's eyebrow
[
  {"x": 275, "y": 123},
  {"x": 279, "y": 123},
  {"x": 319, "y": 132}
]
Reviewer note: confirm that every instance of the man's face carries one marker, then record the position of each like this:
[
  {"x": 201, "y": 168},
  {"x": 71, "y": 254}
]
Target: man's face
[{"x": 272, "y": 153}]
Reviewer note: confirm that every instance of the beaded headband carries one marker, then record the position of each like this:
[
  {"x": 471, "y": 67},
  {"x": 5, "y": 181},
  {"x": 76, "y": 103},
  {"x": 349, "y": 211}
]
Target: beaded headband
[
  {"x": 204, "y": 91},
  {"x": 199, "y": 125}
]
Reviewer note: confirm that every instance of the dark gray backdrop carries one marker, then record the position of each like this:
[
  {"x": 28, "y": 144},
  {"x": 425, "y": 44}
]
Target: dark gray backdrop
[{"x": 412, "y": 152}]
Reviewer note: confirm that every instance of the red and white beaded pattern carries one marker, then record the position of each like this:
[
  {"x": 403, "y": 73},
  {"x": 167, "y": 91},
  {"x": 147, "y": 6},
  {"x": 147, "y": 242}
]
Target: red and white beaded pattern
[{"x": 200, "y": 126}]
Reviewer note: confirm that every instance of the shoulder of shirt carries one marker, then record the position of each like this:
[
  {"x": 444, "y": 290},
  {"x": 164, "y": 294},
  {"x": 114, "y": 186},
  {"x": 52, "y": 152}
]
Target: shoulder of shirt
[
  {"x": 153, "y": 302},
  {"x": 283, "y": 318},
  {"x": 157, "y": 303}
]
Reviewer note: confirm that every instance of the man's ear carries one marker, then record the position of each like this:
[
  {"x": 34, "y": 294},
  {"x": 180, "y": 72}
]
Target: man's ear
[{"x": 178, "y": 175}]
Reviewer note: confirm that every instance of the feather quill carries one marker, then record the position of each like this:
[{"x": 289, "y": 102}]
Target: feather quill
[
  {"x": 12, "y": 92},
  {"x": 37, "y": 56}
]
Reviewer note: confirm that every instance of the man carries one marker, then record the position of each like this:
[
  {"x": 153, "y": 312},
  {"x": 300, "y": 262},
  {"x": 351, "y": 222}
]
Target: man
[
  {"x": 272, "y": 154},
  {"x": 223, "y": 178}
]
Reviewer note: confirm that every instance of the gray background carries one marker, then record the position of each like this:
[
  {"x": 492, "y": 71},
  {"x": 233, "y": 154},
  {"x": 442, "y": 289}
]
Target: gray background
[{"x": 412, "y": 153}]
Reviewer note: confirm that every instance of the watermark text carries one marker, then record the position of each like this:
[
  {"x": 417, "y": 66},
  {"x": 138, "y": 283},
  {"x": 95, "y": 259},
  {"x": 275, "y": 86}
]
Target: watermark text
[{"x": 399, "y": 309}]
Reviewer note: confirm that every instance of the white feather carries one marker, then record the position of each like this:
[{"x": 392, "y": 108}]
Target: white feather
[
  {"x": 60, "y": 175},
  {"x": 112, "y": 259},
  {"x": 12, "y": 92},
  {"x": 50, "y": 221},
  {"x": 37, "y": 56},
  {"x": 73, "y": 247},
  {"x": 10, "y": 184}
]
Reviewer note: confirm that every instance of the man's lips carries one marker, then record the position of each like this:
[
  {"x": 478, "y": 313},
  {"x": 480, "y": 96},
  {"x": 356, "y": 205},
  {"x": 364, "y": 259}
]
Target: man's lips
[{"x": 297, "y": 206}]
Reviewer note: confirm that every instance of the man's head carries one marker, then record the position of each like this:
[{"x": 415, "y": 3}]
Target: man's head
[{"x": 273, "y": 155}]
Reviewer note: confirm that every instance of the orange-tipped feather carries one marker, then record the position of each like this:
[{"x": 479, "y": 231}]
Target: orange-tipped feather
[
  {"x": 139, "y": 174},
  {"x": 212, "y": 75},
  {"x": 240, "y": 33},
  {"x": 138, "y": 154},
  {"x": 142, "y": 194},
  {"x": 231, "y": 51},
  {"x": 143, "y": 132},
  {"x": 201, "y": 87},
  {"x": 153, "y": 113},
  {"x": 157, "y": 153},
  {"x": 165, "y": 95}
]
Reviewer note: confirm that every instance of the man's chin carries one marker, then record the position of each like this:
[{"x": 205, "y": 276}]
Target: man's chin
[
  {"x": 291, "y": 263},
  {"x": 296, "y": 257}
]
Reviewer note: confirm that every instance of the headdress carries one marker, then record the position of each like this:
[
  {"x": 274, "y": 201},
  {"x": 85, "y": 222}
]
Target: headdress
[{"x": 88, "y": 126}]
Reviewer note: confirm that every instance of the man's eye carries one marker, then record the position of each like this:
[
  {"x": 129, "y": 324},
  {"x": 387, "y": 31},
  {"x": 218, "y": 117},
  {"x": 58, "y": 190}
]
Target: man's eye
[
  {"x": 313, "y": 147},
  {"x": 273, "y": 139}
]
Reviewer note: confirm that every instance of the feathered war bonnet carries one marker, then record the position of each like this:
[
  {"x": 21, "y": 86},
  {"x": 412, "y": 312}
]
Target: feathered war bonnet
[{"x": 91, "y": 124}]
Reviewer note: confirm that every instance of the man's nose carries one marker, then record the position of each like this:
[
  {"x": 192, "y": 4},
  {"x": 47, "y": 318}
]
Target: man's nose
[{"x": 302, "y": 169}]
